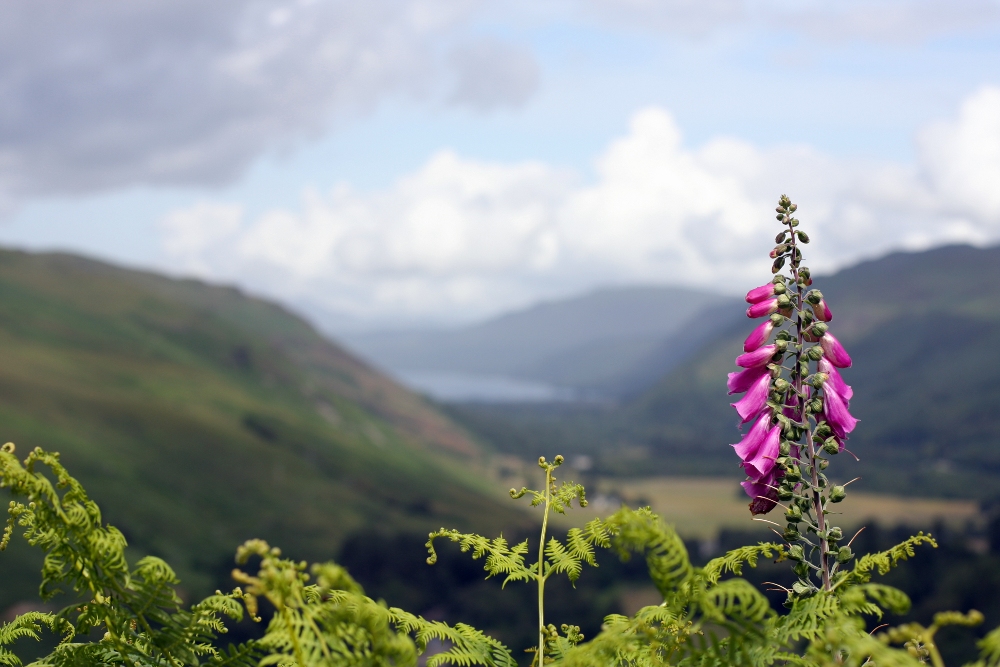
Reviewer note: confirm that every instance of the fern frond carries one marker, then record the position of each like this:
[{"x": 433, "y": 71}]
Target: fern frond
[
  {"x": 468, "y": 646},
  {"x": 806, "y": 619},
  {"x": 884, "y": 561},
  {"x": 641, "y": 531},
  {"x": 733, "y": 561},
  {"x": 735, "y": 598},
  {"x": 500, "y": 559},
  {"x": 989, "y": 647}
]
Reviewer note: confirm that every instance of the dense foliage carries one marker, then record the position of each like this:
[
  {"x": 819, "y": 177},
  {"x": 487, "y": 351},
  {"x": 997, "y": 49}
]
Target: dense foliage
[{"x": 132, "y": 615}]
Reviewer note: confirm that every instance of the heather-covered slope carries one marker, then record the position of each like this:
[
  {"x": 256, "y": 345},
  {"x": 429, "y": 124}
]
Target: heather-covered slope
[{"x": 199, "y": 417}]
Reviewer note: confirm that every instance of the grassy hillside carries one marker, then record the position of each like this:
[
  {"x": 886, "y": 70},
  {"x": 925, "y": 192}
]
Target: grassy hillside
[
  {"x": 199, "y": 417},
  {"x": 924, "y": 332}
]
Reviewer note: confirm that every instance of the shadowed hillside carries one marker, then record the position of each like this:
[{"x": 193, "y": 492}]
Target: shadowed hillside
[{"x": 199, "y": 417}]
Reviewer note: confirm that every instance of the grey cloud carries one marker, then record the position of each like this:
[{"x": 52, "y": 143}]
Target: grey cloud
[
  {"x": 493, "y": 74},
  {"x": 900, "y": 21},
  {"x": 881, "y": 21},
  {"x": 100, "y": 95}
]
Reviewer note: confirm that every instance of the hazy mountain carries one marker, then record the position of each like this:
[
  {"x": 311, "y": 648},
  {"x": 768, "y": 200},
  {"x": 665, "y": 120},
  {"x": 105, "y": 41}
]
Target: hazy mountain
[
  {"x": 200, "y": 417},
  {"x": 924, "y": 332},
  {"x": 609, "y": 341}
]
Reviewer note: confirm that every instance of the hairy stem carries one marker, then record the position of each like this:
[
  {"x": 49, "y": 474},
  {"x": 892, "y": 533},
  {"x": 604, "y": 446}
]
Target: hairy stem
[{"x": 817, "y": 499}]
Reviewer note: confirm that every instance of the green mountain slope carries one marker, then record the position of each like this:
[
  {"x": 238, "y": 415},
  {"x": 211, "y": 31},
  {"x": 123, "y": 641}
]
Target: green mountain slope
[
  {"x": 924, "y": 332},
  {"x": 199, "y": 417}
]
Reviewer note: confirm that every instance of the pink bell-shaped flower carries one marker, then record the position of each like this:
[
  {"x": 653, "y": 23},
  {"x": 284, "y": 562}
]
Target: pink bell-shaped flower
[
  {"x": 835, "y": 382},
  {"x": 763, "y": 492},
  {"x": 836, "y": 414},
  {"x": 758, "y": 357},
  {"x": 758, "y": 336},
  {"x": 758, "y": 294},
  {"x": 741, "y": 381},
  {"x": 755, "y": 400},
  {"x": 762, "y": 308},
  {"x": 834, "y": 351}
]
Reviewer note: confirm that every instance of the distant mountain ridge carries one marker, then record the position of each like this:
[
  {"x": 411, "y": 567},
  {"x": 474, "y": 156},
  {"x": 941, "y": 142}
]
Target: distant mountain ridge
[{"x": 612, "y": 340}]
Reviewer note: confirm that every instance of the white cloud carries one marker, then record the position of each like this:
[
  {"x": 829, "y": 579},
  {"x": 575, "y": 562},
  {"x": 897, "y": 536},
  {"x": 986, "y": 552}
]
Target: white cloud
[{"x": 459, "y": 238}]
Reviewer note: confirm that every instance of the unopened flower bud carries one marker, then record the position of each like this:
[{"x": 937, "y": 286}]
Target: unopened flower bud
[
  {"x": 814, "y": 296},
  {"x": 781, "y": 385},
  {"x": 784, "y": 448},
  {"x": 822, "y": 311},
  {"x": 783, "y": 301},
  {"x": 781, "y": 235},
  {"x": 792, "y": 208},
  {"x": 817, "y": 380},
  {"x": 778, "y": 263},
  {"x": 780, "y": 217},
  {"x": 844, "y": 554},
  {"x": 823, "y": 463},
  {"x": 814, "y": 353},
  {"x": 802, "y": 236},
  {"x": 804, "y": 272},
  {"x": 837, "y": 493}
]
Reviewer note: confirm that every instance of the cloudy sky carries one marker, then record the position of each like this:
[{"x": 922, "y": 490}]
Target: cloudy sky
[{"x": 402, "y": 162}]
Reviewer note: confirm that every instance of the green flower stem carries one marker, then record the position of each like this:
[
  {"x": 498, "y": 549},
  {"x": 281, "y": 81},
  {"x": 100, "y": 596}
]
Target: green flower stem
[{"x": 817, "y": 499}]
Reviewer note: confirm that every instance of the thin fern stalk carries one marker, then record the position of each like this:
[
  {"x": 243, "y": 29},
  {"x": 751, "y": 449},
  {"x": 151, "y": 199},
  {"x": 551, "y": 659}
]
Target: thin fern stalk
[{"x": 541, "y": 566}]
